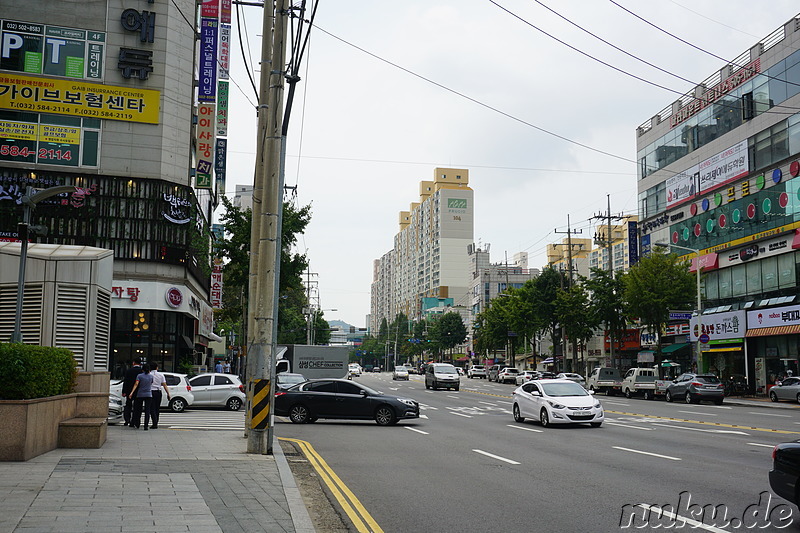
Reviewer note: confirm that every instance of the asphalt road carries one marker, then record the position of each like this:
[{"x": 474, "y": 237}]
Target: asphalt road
[{"x": 467, "y": 466}]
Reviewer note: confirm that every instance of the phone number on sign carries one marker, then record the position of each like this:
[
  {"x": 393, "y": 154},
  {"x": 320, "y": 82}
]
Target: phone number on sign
[{"x": 16, "y": 151}]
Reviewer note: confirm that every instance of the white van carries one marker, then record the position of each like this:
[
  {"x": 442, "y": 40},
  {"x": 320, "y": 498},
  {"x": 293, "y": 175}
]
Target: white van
[{"x": 639, "y": 381}]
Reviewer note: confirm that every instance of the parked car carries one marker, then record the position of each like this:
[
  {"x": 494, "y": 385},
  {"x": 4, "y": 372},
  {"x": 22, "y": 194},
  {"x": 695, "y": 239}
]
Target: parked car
[
  {"x": 180, "y": 392},
  {"x": 287, "y": 380},
  {"x": 508, "y": 374},
  {"x": 114, "y": 408},
  {"x": 577, "y": 378},
  {"x": 342, "y": 399},
  {"x": 696, "y": 387},
  {"x": 789, "y": 389},
  {"x": 400, "y": 372},
  {"x": 441, "y": 375},
  {"x": 605, "y": 379},
  {"x": 527, "y": 375},
  {"x": 476, "y": 371},
  {"x": 218, "y": 390},
  {"x": 354, "y": 369},
  {"x": 784, "y": 478},
  {"x": 556, "y": 401},
  {"x": 491, "y": 374}
]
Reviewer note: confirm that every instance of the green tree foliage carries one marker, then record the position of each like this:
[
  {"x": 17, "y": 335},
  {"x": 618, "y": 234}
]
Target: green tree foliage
[
  {"x": 657, "y": 283},
  {"x": 576, "y": 317},
  {"x": 449, "y": 331},
  {"x": 548, "y": 283},
  {"x": 607, "y": 302}
]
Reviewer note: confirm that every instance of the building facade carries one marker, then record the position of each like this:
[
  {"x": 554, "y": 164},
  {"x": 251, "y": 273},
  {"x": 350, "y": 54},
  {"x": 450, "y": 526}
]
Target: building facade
[
  {"x": 429, "y": 257},
  {"x": 99, "y": 96},
  {"x": 718, "y": 181}
]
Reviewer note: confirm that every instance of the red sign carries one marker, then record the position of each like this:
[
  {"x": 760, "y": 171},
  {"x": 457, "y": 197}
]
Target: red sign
[
  {"x": 174, "y": 297},
  {"x": 629, "y": 340},
  {"x": 210, "y": 9}
]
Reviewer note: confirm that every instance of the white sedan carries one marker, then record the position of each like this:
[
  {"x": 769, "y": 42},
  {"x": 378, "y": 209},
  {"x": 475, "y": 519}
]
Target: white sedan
[
  {"x": 556, "y": 401},
  {"x": 577, "y": 378},
  {"x": 400, "y": 372}
]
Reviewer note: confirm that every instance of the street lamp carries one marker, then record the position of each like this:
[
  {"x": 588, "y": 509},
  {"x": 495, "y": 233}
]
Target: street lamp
[{"x": 699, "y": 302}]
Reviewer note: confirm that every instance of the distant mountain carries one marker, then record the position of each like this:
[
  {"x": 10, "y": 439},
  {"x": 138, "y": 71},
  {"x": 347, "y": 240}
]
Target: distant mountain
[{"x": 340, "y": 324}]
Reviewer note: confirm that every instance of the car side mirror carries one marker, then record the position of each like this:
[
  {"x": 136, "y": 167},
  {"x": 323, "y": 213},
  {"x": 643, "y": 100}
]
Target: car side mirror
[
  {"x": 592, "y": 391},
  {"x": 674, "y": 380},
  {"x": 536, "y": 393},
  {"x": 364, "y": 393}
]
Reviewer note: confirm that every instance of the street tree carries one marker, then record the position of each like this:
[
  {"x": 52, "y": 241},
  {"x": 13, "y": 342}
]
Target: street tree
[
  {"x": 548, "y": 283},
  {"x": 576, "y": 317},
  {"x": 607, "y": 303},
  {"x": 657, "y": 283},
  {"x": 450, "y": 331}
]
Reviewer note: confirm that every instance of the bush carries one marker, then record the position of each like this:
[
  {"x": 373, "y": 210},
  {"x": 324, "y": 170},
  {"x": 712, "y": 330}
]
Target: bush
[{"x": 28, "y": 372}]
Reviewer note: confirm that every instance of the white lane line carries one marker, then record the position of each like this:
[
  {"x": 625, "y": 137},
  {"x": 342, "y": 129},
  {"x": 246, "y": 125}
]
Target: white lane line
[
  {"x": 453, "y": 396},
  {"x": 429, "y": 391},
  {"x": 493, "y": 456},
  {"x": 647, "y": 453},
  {"x": 768, "y": 414},
  {"x": 704, "y": 430},
  {"x": 488, "y": 403},
  {"x": 762, "y": 445},
  {"x": 525, "y": 429},
  {"x": 676, "y": 517},
  {"x": 617, "y": 403},
  {"x": 424, "y": 416},
  {"x": 459, "y": 414},
  {"x": 719, "y": 407},
  {"x": 417, "y": 430},
  {"x": 697, "y": 413},
  {"x": 627, "y": 426}
]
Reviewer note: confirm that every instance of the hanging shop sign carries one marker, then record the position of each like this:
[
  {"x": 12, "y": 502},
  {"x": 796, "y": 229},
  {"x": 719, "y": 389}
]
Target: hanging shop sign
[
  {"x": 719, "y": 326},
  {"x": 78, "y": 98},
  {"x": 207, "y": 89},
  {"x": 714, "y": 172},
  {"x": 205, "y": 145},
  {"x": 51, "y": 50},
  {"x": 222, "y": 109},
  {"x": 778, "y": 316},
  {"x": 220, "y": 162},
  {"x": 224, "y": 50},
  {"x": 178, "y": 210},
  {"x": 216, "y": 284}
]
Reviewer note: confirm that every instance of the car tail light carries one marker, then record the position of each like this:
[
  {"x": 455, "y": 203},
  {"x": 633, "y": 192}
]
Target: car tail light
[
  {"x": 188, "y": 387},
  {"x": 697, "y": 384},
  {"x": 241, "y": 388},
  {"x": 279, "y": 393},
  {"x": 774, "y": 452}
]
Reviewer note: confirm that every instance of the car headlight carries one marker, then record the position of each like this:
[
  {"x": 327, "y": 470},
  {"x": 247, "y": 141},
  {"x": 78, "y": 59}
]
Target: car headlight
[
  {"x": 597, "y": 405},
  {"x": 555, "y": 405},
  {"x": 410, "y": 403}
]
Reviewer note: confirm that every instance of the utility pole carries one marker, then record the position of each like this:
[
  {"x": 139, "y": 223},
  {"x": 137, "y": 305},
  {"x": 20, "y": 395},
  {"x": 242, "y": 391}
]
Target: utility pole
[
  {"x": 569, "y": 233},
  {"x": 265, "y": 241},
  {"x": 310, "y": 310},
  {"x": 609, "y": 242}
]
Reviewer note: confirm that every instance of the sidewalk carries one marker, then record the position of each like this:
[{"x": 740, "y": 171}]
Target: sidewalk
[
  {"x": 153, "y": 481},
  {"x": 760, "y": 402}
]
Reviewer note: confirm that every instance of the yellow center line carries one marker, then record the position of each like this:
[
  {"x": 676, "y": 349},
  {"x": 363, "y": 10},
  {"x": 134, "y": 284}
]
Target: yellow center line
[
  {"x": 705, "y": 423},
  {"x": 360, "y": 517}
]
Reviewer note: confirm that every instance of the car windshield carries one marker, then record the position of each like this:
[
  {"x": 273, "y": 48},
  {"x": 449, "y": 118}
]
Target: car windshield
[
  {"x": 444, "y": 369},
  {"x": 564, "y": 389},
  {"x": 283, "y": 378}
]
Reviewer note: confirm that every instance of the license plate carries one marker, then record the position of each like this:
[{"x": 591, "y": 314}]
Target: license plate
[{"x": 581, "y": 413}]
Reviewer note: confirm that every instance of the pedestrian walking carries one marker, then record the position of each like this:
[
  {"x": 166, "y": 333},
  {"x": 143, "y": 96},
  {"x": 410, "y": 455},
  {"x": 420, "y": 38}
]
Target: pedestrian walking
[
  {"x": 143, "y": 391},
  {"x": 218, "y": 367},
  {"x": 159, "y": 382},
  {"x": 226, "y": 367},
  {"x": 128, "y": 381}
]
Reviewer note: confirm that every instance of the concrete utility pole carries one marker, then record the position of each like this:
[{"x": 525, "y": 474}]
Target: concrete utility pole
[
  {"x": 569, "y": 233},
  {"x": 265, "y": 241},
  {"x": 609, "y": 242}
]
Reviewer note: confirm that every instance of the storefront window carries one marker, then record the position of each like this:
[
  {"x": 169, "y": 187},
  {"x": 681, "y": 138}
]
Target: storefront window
[
  {"x": 769, "y": 274},
  {"x": 738, "y": 283},
  {"x": 753, "y": 275},
  {"x": 149, "y": 334},
  {"x": 725, "y": 283}
]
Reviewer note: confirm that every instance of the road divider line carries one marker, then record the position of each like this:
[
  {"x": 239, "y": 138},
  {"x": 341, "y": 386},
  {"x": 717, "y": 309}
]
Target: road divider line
[
  {"x": 417, "y": 430},
  {"x": 525, "y": 429},
  {"x": 493, "y": 456},
  {"x": 697, "y": 413},
  {"x": 459, "y": 414},
  {"x": 628, "y": 426},
  {"x": 488, "y": 403},
  {"x": 647, "y": 453},
  {"x": 361, "y": 519},
  {"x": 768, "y": 414},
  {"x": 762, "y": 445},
  {"x": 424, "y": 416},
  {"x": 703, "y": 430},
  {"x": 676, "y": 517}
]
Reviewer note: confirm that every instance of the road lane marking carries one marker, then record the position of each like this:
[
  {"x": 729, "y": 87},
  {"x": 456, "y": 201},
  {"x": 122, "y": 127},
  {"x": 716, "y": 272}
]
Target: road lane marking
[
  {"x": 697, "y": 413},
  {"x": 628, "y": 426},
  {"x": 453, "y": 396},
  {"x": 488, "y": 403},
  {"x": 493, "y": 456},
  {"x": 424, "y": 416},
  {"x": 417, "y": 430},
  {"x": 762, "y": 445},
  {"x": 525, "y": 429},
  {"x": 647, "y": 453},
  {"x": 703, "y": 430},
  {"x": 617, "y": 403},
  {"x": 459, "y": 414},
  {"x": 674, "y": 516},
  {"x": 769, "y": 414},
  {"x": 361, "y": 519},
  {"x": 703, "y": 422}
]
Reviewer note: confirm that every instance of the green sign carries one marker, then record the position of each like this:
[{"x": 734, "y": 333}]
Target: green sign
[{"x": 456, "y": 203}]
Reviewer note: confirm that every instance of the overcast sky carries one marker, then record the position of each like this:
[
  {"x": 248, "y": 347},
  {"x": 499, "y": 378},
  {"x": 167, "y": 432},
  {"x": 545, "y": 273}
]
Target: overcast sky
[{"x": 365, "y": 132}]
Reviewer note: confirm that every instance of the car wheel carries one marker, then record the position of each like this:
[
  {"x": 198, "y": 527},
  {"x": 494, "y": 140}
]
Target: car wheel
[
  {"x": 668, "y": 396},
  {"x": 689, "y": 398},
  {"x": 718, "y": 402},
  {"x": 798, "y": 398},
  {"x": 299, "y": 414},
  {"x": 628, "y": 394},
  {"x": 517, "y": 416},
  {"x": 456, "y": 388},
  {"x": 427, "y": 386},
  {"x": 646, "y": 395},
  {"x": 543, "y": 418},
  {"x": 177, "y": 405},
  {"x": 773, "y": 396},
  {"x": 595, "y": 424},
  {"x": 234, "y": 404},
  {"x": 385, "y": 416}
]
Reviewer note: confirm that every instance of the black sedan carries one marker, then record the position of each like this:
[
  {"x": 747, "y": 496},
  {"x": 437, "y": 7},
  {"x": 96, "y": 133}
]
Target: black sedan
[
  {"x": 342, "y": 399},
  {"x": 784, "y": 478}
]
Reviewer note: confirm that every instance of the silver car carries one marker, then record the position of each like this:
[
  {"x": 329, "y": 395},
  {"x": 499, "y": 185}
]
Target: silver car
[
  {"x": 789, "y": 389},
  {"x": 218, "y": 390}
]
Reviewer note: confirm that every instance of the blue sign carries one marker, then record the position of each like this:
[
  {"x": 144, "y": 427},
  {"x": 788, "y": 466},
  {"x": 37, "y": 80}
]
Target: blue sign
[
  {"x": 207, "y": 89},
  {"x": 680, "y": 315},
  {"x": 704, "y": 338}
]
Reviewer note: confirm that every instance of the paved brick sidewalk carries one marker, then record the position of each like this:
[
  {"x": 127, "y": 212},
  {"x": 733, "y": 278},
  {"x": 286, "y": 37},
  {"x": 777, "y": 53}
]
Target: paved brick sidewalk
[{"x": 153, "y": 481}]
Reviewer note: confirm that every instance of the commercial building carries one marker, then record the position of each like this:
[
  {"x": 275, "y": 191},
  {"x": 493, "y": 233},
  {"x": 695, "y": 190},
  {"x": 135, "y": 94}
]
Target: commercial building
[
  {"x": 718, "y": 174},
  {"x": 100, "y": 96},
  {"x": 429, "y": 258}
]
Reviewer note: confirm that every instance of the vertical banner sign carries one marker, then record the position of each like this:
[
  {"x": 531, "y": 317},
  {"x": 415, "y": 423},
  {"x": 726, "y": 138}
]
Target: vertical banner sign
[
  {"x": 216, "y": 284},
  {"x": 205, "y": 145},
  {"x": 633, "y": 243},
  {"x": 210, "y": 9},
  {"x": 208, "y": 60},
  {"x": 224, "y": 50},
  {"x": 220, "y": 161},
  {"x": 225, "y": 11},
  {"x": 222, "y": 109}
]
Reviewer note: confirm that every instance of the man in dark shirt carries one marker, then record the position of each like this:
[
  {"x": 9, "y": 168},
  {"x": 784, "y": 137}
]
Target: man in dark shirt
[{"x": 127, "y": 386}]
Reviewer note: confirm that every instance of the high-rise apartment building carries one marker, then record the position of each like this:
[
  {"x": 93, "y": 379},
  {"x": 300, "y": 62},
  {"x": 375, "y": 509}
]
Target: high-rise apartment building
[
  {"x": 624, "y": 246},
  {"x": 429, "y": 258},
  {"x": 718, "y": 182}
]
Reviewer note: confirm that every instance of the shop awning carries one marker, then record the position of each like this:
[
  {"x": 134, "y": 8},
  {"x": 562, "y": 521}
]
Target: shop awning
[
  {"x": 776, "y": 330},
  {"x": 548, "y": 361},
  {"x": 672, "y": 348}
]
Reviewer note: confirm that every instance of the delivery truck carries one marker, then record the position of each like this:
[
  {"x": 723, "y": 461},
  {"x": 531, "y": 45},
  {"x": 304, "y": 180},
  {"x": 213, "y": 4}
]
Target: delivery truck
[{"x": 313, "y": 361}]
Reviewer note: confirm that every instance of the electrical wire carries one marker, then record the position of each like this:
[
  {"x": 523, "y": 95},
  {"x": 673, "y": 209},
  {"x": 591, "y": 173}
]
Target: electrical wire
[{"x": 241, "y": 47}]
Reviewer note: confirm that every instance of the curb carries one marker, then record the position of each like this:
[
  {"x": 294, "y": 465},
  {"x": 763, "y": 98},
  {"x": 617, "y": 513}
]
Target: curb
[
  {"x": 763, "y": 405},
  {"x": 297, "y": 508}
]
